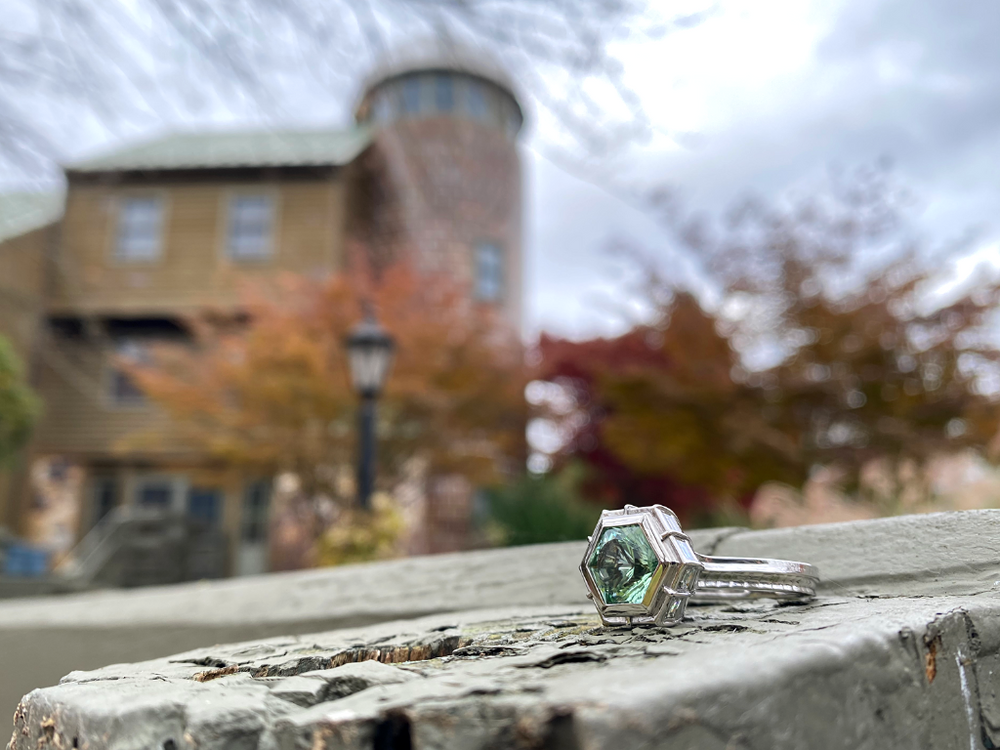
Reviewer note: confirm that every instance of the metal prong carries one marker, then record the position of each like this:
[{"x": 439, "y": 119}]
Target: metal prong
[{"x": 678, "y": 534}]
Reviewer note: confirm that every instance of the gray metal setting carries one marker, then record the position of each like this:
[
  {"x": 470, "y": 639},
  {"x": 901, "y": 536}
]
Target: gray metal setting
[{"x": 684, "y": 575}]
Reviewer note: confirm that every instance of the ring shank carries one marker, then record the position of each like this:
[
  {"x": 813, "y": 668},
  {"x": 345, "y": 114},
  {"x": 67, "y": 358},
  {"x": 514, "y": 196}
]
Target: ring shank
[{"x": 730, "y": 578}]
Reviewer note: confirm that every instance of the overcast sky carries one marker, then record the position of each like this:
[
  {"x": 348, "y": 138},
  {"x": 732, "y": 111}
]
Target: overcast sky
[
  {"x": 766, "y": 95},
  {"x": 761, "y": 96}
]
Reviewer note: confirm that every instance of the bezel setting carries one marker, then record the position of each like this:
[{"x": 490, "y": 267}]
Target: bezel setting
[{"x": 672, "y": 583}]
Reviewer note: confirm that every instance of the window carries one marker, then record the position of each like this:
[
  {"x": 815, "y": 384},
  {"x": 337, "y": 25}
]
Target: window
[
  {"x": 256, "y": 500},
  {"x": 139, "y": 220},
  {"x": 105, "y": 497},
  {"x": 411, "y": 95},
  {"x": 124, "y": 391},
  {"x": 444, "y": 95},
  {"x": 205, "y": 505},
  {"x": 157, "y": 494},
  {"x": 250, "y": 218},
  {"x": 477, "y": 100},
  {"x": 382, "y": 109},
  {"x": 489, "y": 272}
]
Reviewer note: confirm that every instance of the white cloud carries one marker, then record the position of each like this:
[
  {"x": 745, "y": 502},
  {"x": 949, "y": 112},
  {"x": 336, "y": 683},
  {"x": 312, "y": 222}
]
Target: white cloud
[
  {"x": 765, "y": 95},
  {"x": 753, "y": 96}
]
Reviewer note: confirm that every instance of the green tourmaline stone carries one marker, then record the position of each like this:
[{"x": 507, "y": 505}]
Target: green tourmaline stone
[{"x": 623, "y": 564}]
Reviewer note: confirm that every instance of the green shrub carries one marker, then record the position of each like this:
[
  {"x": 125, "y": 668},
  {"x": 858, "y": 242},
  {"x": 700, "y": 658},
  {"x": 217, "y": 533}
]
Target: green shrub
[
  {"x": 19, "y": 407},
  {"x": 537, "y": 509}
]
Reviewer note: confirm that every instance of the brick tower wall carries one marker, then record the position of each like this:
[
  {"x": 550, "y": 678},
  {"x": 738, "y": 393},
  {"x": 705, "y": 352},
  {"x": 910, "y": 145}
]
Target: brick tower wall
[
  {"x": 429, "y": 190},
  {"x": 432, "y": 187}
]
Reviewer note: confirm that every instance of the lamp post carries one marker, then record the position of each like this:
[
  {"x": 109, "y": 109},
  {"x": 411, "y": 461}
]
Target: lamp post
[{"x": 369, "y": 352}]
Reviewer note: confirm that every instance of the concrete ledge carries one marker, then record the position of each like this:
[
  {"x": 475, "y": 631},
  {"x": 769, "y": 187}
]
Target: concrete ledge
[
  {"x": 902, "y": 554},
  {"x": 901, "y": 650},
  {"x": 905, "y": 555},
  {"x": 847, "y": 673},
  {"x": 13, "y": 588}
]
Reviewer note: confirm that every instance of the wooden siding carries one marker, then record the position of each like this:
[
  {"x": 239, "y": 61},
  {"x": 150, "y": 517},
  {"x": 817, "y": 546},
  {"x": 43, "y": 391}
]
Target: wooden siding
[
  {"x": 193, "y": 270},
  {"x": 22, "y": 287},
  {"x": 85, "y": 280},
  {"x": 80, "y": 419}
]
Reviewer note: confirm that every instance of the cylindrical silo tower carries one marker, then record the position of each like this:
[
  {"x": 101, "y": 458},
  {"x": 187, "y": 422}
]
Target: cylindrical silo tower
[{"x": 442, "y": 183}]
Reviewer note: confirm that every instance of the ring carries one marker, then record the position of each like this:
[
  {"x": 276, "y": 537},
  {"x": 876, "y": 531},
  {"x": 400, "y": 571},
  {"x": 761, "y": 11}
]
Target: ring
[{"x": 641, "y": 570}]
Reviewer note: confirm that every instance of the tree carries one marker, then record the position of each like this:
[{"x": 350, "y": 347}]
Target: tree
[
  {"x": 540, "y": 509},
  {"x": 272, "y": 392},
  {"x": 128, "y": 66},
  {"x": 872, "y": 365},
  {"x": 658, "y": 417},
  {"x": 19, "y": 407}
]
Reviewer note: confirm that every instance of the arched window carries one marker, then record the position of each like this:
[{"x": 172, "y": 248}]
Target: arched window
[
  {"x": 383, "y": 109},
  {"x": 476, "y": 100},
  {"x": 444, "y": 93},
  {"x": 411, "y": 95}
]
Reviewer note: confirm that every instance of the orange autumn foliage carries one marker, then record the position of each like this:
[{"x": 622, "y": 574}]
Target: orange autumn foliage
[
  {"x": 816, "y": 355},
  {"x": 658, "y": 418},
  {"x": 272, "y": 391}
]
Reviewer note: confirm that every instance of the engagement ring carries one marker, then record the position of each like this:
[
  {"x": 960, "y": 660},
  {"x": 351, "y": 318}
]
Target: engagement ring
[{"x": 641, "y": 570}]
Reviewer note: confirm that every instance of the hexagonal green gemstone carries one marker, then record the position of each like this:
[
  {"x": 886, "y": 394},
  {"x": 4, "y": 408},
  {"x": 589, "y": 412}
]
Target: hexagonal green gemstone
[{"x": 623, "y": 564}]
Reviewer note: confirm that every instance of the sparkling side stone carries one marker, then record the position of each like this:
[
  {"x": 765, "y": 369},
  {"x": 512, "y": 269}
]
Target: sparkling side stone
[
  {"x": 674, "y": 609},
  {"x": 622, "y": 565},
  {"x": 686, "y": 553},
  {"x": 688, "y": 577}
]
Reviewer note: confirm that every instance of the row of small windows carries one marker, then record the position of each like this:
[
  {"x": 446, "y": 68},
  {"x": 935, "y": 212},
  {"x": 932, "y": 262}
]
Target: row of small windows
[
  {"x": 248, "y": 237},
  {"x": 204, "y": 504},
  {"x": 443, "y": 93},
  {"x": 250, "y": 221}
]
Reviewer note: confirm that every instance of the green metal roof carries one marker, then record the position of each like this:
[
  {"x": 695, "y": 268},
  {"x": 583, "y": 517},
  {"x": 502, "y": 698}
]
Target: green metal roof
[
  {"x": 23, "y": 212},
  {"x": 271, "y": 148}
]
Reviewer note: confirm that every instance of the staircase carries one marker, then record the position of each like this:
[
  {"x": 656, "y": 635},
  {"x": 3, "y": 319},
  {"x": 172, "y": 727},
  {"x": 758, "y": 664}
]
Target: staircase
[{"x": 145, "y": 547}]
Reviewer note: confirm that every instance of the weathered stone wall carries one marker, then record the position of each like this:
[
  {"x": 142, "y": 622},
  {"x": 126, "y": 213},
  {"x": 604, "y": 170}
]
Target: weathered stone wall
[{"x": 900, "y": 650}]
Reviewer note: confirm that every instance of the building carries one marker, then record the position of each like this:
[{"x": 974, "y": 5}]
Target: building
[{"x": 149, "y": 233}]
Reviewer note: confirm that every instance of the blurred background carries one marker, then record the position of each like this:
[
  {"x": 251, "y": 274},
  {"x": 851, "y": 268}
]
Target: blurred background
[{"x": 293, "y": 284}]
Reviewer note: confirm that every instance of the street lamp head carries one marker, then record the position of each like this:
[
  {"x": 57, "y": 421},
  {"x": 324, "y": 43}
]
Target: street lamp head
[{"x": 369, "y": 351}]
